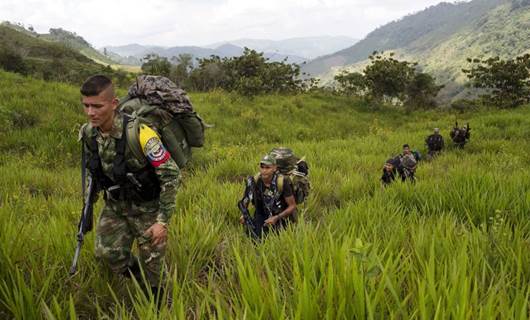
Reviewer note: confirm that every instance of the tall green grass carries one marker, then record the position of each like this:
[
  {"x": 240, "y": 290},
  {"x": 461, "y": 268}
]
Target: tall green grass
[{"x": 454, "y": 245}]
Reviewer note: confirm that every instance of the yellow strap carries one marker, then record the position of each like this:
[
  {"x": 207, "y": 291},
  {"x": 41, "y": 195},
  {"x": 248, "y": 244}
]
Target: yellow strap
[{"x": 279, "y": 182}]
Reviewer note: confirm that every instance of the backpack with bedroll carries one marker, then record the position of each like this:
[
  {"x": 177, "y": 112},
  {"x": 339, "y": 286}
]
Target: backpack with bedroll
[
  {"x": 296, "y": 169},
  {"x": 159, "y": 103}
]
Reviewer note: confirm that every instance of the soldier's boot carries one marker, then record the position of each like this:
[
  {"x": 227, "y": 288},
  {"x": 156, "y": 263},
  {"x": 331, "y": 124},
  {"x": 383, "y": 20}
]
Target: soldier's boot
[
  {"x": 133, "y": 271},
  {"x": 158, "y": 295}
]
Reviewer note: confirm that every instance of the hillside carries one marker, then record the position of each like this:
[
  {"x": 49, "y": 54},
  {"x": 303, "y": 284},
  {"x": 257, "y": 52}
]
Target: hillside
[
  {"x": 50, "y": 60},
  {"x": 77, "y": 42},
  {"x": 440, "y": 38},
  {"x": 454, "y": 245},
  {"x": 68, "y": 39}
]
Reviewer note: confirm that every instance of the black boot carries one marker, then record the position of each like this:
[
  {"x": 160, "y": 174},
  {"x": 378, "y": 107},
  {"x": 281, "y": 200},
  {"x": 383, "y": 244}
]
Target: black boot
[
  {"x": 158, "y": 295},
  {"x": 133, "y": 271}
]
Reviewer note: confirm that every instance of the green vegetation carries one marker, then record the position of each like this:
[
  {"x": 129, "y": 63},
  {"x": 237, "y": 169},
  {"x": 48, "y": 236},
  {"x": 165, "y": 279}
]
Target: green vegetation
[
  {"x": 386, "y": 78},
  {"x": 28, "y": 54},
  {"x": 507, "y": 82},
  {"x": 454, "y": 245},
  {"x": 441, "y": 38},
  {"x": 250, "y": 74},
  {"x": 76, "y": 42}
]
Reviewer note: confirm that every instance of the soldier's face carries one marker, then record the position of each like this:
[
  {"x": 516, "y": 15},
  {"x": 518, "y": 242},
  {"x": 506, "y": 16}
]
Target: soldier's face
[
  {"x": 100, "y": 109},
  {"x": 406, "y": 150},
  {"x": 267, "y": 171}
]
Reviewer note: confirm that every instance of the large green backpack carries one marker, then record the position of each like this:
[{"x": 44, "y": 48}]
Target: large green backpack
[
  {"x": 159, "y": 103},
  {"x": 294, "y": 168}
]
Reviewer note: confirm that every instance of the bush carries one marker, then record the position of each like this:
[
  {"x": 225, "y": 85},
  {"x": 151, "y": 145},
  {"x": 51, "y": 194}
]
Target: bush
[
  {"x": 12, "y": 61},
  {"x": 506, "y": 82}
]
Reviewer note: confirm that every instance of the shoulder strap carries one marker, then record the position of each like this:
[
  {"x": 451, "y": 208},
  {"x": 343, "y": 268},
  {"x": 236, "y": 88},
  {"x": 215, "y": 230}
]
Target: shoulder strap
[
  {"x": 119, "y": 167},
  {"x": 133, "y": 139},
  {"x": 279, "y": 182}
]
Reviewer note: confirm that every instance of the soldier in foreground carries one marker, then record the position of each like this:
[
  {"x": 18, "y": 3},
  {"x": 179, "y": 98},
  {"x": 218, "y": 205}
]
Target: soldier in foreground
[
  {"x": 435, "y": 144},
  {"x": 272, "y": 195},
  {"x": 139, "y": 195}
]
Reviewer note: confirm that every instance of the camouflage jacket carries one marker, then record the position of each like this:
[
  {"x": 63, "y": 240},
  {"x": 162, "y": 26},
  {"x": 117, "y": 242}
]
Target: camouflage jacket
[{"x": 155, "y": 153}]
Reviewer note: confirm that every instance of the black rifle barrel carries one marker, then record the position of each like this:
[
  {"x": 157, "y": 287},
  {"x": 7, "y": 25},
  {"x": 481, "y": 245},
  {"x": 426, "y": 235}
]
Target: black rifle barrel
[
  {"x": 243, "y": 207},
  {"x": 85, "y": 223}
]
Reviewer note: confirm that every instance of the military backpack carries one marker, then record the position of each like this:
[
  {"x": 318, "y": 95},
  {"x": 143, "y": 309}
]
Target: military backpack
[
  {"x": 294, "y": 168},
  {"x": 159, "y": 103}
]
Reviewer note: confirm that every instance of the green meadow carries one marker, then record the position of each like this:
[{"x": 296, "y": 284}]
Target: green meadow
[{"x": 453, "y": 246}]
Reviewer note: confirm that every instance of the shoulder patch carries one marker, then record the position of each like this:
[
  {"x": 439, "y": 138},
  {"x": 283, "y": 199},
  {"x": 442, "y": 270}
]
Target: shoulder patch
[{"x": 152, "y": 146}]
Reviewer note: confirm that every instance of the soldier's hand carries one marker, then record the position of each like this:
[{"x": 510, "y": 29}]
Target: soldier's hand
[
  {"x": 242, "y": 220},
  {"x": 158, "y": 233},
  {"x": 272, "y": 220}
]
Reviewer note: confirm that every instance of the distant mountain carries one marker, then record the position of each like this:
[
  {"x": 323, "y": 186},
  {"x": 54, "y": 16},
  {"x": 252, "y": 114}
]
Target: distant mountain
[
  {"x": 136, "y": 52},
  {"x": 309, "y": 47},
  {"x": 440, "y": 38}
]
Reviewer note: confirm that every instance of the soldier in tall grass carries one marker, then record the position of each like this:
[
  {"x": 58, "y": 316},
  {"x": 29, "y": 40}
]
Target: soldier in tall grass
[
  {"x": 460, "y": 136},
  {"x": 273, "y": 198},
  {"x": 389, "y": 171},
  {"x": 139, "y": 196},
  {"x": 408, "y": 164},
  {"x": 435, "y": 144}
]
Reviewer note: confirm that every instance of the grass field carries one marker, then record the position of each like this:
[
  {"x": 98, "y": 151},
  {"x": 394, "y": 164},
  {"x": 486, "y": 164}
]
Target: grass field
[{"x": 454, "y": 245}]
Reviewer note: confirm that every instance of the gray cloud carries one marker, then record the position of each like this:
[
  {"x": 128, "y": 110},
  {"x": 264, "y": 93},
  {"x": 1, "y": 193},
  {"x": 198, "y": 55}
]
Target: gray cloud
[{"x": 186, "y": 22}]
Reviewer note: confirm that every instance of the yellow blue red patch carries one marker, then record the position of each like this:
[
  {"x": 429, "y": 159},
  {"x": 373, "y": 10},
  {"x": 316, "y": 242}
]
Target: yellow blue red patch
[{"x": 152, "y": 146}]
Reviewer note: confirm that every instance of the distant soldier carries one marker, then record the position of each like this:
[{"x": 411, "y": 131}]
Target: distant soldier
[
  {"x": 389, "y": 171},
  {"x": 272, "y": 195},
  {"x": 460, "y": 136},
  {"x": 408, "y": 163},
  {"x": 435, "y": 143}
]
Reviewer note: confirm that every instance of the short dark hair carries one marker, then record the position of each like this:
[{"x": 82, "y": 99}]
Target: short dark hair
[
  {"x": 94, "y": 85},
  {"x": 406, "y": 146}
]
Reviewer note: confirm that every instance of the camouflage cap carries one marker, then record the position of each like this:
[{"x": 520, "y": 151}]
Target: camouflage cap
[{"x": 268, "y": 160}]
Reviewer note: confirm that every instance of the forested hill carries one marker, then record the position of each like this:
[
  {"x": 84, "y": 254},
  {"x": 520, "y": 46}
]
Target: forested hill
[
  {"x": 441, "y": 37},
  {"x": 24, "y": 52}
]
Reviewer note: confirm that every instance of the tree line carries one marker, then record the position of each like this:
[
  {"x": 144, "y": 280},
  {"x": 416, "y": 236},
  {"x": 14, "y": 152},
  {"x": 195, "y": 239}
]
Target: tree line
[
  {"x": 249, "y": 74},
  {"x": 503, "y": 83}
]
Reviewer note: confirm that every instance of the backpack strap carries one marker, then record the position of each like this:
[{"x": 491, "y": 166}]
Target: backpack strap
[
  {"x": 119, "y": 166},
  {"x": 279, "y": 183},
  {"x": 133, "y": 139}
]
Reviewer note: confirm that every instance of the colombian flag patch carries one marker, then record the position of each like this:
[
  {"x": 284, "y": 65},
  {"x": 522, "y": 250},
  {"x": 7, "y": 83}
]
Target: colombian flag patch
[{"x": 152, "y": 147}]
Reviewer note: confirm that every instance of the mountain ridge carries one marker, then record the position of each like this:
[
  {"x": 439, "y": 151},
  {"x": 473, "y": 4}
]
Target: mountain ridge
[{"x": 440, "y": 38}]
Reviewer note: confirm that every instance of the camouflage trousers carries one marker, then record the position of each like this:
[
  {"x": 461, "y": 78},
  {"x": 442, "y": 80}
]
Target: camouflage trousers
[{"x": 120, "y": 223}]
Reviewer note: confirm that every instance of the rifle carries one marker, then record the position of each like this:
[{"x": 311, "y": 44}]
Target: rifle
[
  {"x": 86, "y": 221},
  {"x": 243, "y": 207}
]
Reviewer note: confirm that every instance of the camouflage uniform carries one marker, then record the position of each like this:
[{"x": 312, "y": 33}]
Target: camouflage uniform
[{"x": 123, "y": 220}]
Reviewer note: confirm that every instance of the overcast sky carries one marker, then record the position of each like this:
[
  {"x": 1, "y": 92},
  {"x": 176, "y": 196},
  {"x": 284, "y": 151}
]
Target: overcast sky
[{"x": 200, "y": 22}]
